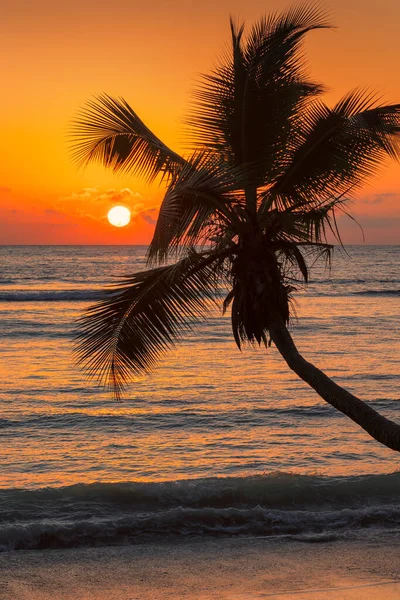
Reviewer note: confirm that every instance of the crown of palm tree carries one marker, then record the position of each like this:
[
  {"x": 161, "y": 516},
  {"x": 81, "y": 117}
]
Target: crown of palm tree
[{"x": 269, "y": 167}]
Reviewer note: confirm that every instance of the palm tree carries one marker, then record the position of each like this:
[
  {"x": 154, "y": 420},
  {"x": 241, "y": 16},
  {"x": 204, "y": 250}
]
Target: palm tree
[{"x": 269, "y": 167}]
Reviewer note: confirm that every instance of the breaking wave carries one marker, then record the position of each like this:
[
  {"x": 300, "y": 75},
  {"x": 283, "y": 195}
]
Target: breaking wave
[
  {"x": 381, "y": 292},
  {"x": 268, "y": 505},
  {"x": 50, "y": 295}
]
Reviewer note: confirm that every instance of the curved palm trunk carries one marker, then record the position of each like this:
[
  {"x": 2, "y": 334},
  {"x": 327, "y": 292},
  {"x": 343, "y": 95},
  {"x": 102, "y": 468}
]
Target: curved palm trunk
[{"x": 382, "y": 429}]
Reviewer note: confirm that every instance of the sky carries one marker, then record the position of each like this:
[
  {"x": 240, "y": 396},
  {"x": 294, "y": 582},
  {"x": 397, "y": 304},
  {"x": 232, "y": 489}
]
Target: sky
[{"x": 56, "y": 56}]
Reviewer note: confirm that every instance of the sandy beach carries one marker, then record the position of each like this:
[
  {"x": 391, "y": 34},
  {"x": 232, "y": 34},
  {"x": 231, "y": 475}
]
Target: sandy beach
[{"x": 234, "y": 569}]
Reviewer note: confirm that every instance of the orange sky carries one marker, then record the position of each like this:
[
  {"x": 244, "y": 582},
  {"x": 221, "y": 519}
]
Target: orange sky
[{"x": 53, "y": 57}]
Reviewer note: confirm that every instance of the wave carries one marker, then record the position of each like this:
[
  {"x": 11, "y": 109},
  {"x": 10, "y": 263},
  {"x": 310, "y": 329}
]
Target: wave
[
  {"x": 187, "y": 418},
  {"x": 377, "y": 293},
  {"x": 82, "y": 295},
  {"x": 192, "y": 522},
  {"x": 315, "y": 291},
  {"x": 50, "y": 295},
  {"x": 354, "y": 280},
  {"x": 120, "y": 513}
]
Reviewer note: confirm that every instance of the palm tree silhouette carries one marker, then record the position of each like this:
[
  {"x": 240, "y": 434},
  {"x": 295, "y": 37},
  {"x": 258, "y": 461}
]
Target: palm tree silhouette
[{"x": 270, "y": 166}]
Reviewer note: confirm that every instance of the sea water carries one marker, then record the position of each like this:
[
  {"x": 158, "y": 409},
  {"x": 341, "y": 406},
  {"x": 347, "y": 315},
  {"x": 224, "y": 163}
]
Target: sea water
[{"x": 216, "y": 441}]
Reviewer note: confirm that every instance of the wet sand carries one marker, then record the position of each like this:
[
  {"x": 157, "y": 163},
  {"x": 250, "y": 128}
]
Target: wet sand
[{"x": 204, "y": 569}]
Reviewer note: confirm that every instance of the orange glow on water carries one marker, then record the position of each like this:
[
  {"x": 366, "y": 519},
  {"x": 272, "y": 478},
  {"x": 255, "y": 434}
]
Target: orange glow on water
[{"x": 203, "y": 379}]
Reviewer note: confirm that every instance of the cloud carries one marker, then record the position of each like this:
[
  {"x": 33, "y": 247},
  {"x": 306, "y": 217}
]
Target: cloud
[
  {"x": 51, "y": 211},
  {"x": 93, "y": 203},
  {"x": 374, "y": 222},
  {"x": 369, "y": 221},
  {"x": 36, "y": 216},
  {"x": 93, "y": 193},
  {"x": 149, "y": 215},
  {"x": 107, "y": 197},
  {"x": 4, "y": 189},
  {"x": 378, "y": 198},
  {"x": 119, "y": 195}
]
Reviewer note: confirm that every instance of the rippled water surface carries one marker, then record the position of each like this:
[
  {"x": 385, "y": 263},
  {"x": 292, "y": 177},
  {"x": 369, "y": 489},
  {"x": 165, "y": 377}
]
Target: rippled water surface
[{"x": 209, "y": 410}]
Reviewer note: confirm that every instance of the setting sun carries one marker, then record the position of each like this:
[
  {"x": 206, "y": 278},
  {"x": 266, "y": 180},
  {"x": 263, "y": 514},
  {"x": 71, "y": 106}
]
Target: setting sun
[{"x": 119, "y": 216}]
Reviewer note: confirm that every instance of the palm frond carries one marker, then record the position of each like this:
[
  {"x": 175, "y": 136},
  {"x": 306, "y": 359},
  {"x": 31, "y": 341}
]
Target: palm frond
[
  {"x": 337, "y": 149},
  {"x": 203, "y": 202},
  {"x": 294, "y": 254},
  {"x": 108, "y": 131},
  {"x": 126, "y": 333},
  {"x": 244, "y": 109},
  {"x": 295, "y": 258},
  {"x": 303, "y": 222}
]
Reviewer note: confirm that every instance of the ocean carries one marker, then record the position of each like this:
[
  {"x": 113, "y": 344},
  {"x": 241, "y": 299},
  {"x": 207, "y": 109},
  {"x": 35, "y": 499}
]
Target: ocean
[{"x": 216, "y": 442}]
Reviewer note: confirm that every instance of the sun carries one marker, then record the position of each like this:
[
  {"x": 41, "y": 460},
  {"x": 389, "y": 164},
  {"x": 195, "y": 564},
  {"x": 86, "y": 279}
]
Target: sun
[{"x": 119, "y": 216}]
